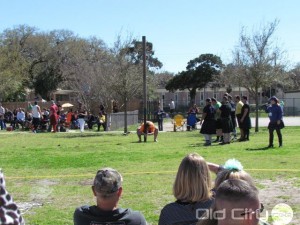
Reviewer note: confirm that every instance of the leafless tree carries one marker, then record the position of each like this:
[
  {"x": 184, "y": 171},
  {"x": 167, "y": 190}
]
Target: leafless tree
[{"x": 257, "y": 61}]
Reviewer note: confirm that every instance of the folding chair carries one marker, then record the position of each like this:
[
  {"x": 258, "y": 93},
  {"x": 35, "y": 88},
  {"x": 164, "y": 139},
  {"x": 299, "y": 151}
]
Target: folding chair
[{"x": 178, "y": 122}]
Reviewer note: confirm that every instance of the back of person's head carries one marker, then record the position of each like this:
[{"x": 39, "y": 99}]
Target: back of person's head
[
  {"x": 107, "y": 182},
  {"x": 233, "y": 169},
  {"x": 238, "y": 97},
  {"x": 193, "y": 181},
  {"x": 245, "y": 98},
  {"x": 236, "y": 202},
  {"x": 208, "y": 100},
  {"x": 232, "y": 174},
  {"x": 225, "y": 99}
]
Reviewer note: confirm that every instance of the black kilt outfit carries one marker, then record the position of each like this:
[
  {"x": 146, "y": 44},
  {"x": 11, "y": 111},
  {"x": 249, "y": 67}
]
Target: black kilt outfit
[
  {"x": 246, "y": 124},
  {"x": 226, "y": 118},
  {"x": 209, "y": 123}
]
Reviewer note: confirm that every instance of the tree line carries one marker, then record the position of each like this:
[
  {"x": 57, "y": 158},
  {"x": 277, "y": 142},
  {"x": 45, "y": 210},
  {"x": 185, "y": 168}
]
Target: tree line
[
  {"x": 258, "y": 65},
  {"x": 45, "y": 61}
]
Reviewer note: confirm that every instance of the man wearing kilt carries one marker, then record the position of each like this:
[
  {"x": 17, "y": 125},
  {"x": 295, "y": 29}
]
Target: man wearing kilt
[
  {"x": 208, "y": 122},
  {"x": 216, "y": 104},
  {"x": 245, "y": 120},
  {"x": 226, "y": 120}
]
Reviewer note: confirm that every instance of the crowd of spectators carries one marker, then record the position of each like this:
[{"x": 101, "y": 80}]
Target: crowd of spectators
[{"x": 55, "y": 118}]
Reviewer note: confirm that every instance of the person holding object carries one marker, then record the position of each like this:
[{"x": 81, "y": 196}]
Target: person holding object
[
  {"x": 275, "y": 115},
  {"x": 107, "y": 188},
  {"x": 147, "y": 129}
]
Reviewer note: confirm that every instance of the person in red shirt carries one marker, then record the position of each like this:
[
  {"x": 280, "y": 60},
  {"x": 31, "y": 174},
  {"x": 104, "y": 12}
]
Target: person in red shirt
[
  {"x": 53, "y": 117},
  {"x": 149, "y": 129}
]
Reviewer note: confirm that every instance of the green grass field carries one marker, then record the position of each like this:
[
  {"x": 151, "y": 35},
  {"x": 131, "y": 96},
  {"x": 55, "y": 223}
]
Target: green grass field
[{"x": 51, "y": 174}]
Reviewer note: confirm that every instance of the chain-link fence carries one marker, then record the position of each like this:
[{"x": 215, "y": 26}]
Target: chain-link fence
[{"x": 290, "y": 106}]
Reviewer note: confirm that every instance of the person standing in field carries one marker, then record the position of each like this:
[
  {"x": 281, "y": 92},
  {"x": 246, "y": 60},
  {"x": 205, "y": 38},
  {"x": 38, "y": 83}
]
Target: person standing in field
[
  {"x": 245, "y": 119},
  {"x": 238, "y": 113},
  {"x": 226, "y": 120},
  {"x": 82, "y": 113},
  {"x": 216, "y": 104},
  {"x": 172, "y": 107},
  {"x": 53, "y": 117},
  {"x": 208, "y": 122},
  {"x": 276, "y": 123},
  {"x": 36, "y": 116},
  {"x": 2, "y": 121},
  {"x": 160, "y": 118}
]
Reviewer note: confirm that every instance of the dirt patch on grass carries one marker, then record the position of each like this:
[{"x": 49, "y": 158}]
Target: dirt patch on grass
[{"x": 281, "y": 191}]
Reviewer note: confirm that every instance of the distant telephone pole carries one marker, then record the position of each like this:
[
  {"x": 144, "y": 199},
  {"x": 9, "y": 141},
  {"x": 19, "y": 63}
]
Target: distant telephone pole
[{"x": 144, "y": 86}]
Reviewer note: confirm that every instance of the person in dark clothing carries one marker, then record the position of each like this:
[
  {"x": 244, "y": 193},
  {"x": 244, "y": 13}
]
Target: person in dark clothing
[
  {"x": 160, "y": 118},
  {"x": 226, "y": 120},
  {"x": 91, "y": 120},
  {"x": 208, "y": 122},
  {"x": 245, "y": 119},
  {"x": 233, "y": 116},
  {"x": 107, "y": 189},
  {"x": 276, "y": 123}
]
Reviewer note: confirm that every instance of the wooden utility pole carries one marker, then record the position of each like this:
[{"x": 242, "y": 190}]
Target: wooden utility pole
[{"x": 145, "y": 87}]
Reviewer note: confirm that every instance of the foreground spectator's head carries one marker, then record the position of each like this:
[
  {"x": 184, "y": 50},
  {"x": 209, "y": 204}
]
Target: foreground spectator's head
[
  {"x": 237, "y": 203},
  {"x": 193, "y": 181},
  {"x": 107, "y": 184},
  {"x": 233, "y": 169}
]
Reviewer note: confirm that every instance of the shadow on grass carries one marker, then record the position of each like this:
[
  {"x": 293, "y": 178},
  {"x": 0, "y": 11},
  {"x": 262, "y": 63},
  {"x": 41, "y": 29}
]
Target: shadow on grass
[
  {"x": 258, "y": 149},
  {"x": 197, "y": 145},
  {"x": 85, "y": 135}
]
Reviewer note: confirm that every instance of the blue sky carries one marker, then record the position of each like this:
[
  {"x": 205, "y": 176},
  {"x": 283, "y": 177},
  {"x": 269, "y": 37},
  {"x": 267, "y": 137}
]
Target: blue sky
[{"x": 179, "y": 30}]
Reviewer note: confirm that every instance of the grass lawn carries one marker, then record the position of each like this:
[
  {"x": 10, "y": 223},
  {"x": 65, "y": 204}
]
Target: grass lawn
[{"x": 51, "y": 174}]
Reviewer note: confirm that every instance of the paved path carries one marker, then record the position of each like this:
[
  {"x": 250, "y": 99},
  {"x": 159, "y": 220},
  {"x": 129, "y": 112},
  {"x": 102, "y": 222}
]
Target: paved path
[{"x": 262, "y": 122}]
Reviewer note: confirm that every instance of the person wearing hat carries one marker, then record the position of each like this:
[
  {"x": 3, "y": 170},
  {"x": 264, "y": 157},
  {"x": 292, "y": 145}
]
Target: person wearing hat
[
  {"x": 275, "y": 115},
  {"x": 208, "y": 122},
  {"x": 107, "y": 188}
]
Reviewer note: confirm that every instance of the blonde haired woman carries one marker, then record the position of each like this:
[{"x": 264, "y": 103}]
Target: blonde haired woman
[{"x": 192, "y": 192}]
